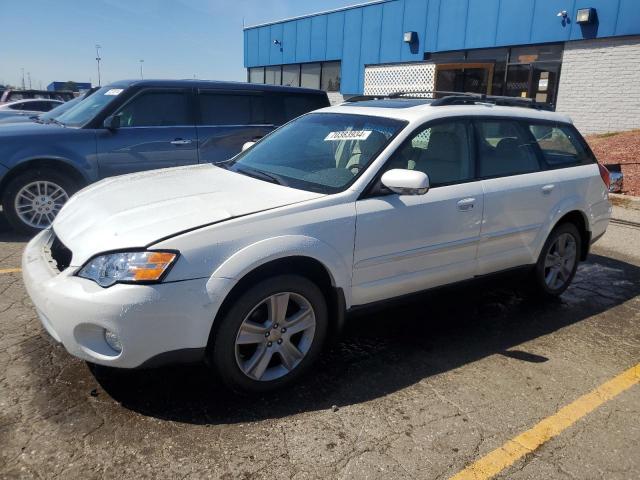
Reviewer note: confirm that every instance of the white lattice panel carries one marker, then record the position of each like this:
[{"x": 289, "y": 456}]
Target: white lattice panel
[{"x": 405, "y": 77}]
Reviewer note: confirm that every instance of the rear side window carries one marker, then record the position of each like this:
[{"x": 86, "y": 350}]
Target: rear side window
[
  {"x": 156, "y": 109},
  {"x": 504, "y": 148},
  {"x": 231, "y": 109},
  {"x": 560, "y": 145},
  {"x": 285, "y": 107}
]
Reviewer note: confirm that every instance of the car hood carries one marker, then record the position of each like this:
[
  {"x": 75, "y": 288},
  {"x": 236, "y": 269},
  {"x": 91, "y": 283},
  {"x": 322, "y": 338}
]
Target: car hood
[
  {"x": 136, "y": 210},
  {"x": 30, "y": 128}
]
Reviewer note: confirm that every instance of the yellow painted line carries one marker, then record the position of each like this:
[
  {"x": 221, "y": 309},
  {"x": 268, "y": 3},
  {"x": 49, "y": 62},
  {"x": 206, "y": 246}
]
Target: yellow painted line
[
  {"x": 10, "y": 270},
  {"x": 527, "y": 442}
]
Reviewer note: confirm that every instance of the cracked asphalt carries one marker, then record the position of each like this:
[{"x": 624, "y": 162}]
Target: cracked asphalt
[{"x": 417, "y": 389}]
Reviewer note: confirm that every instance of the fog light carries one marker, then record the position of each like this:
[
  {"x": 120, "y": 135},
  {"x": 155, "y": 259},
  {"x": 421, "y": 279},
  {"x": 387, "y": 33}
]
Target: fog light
[{"x": 113, "y": 340}]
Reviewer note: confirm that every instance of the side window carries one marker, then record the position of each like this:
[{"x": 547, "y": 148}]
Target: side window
[
  {"x": 16, "y": 106},
  {"x": 560, "y": 146},
  {"x": 504, "y": 148},
  {"x": 156, "y": 109},
  {"x": 230, "y": 109},
  {"x": 441, "y": 151}
]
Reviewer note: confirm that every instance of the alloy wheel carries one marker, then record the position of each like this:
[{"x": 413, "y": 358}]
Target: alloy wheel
[
  {"x": 275, "y": 336},
  {"x": 37, "y": 203},
  {"x": 560, "y": 261}
]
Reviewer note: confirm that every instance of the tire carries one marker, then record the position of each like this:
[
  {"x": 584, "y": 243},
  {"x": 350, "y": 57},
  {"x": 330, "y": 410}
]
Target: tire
[
  {"x": 551, "y": 260},
  {"x": 55, "y": 189},
  {"x": 266, "y": 362}
]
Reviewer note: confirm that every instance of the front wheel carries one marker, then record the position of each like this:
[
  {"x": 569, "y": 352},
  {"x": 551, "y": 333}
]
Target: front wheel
[
  {"x": 33, "y": 199},
  {"x": 271, "y": 334},
  {"x": 558, "y": 261}
]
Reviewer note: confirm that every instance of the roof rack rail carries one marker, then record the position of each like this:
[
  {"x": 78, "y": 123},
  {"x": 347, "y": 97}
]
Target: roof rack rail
[
  {"x": 474, "y": 98},
  {"x": 457, "y": 98}
]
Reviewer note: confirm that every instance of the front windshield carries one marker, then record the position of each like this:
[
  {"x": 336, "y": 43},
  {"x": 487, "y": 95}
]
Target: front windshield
[
  {"x": 321, "y": 152},
  {"x": 59, "y": 110},
  {"x": 89, "y": 108}
]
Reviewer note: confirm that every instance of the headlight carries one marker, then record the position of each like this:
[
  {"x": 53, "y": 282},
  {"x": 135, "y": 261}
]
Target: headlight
[{"x": 127, "y": 267}]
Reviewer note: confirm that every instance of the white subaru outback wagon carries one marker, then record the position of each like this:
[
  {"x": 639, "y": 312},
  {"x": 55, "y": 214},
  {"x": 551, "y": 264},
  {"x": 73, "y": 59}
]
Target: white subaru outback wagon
[{"x": 253, "y": 263}]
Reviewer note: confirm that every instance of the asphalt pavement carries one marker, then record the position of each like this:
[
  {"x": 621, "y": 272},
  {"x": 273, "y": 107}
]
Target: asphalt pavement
[{"x": 442, "y": 384}]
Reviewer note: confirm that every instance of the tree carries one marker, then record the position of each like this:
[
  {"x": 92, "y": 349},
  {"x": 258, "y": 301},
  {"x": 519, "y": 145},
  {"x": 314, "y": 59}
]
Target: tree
[{"x": 70, "y": 85}]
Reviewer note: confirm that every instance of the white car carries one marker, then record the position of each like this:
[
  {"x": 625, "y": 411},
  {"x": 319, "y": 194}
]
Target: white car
[
  {"x": 28, "y": 107},
  {"x": 252, "y": 264}
]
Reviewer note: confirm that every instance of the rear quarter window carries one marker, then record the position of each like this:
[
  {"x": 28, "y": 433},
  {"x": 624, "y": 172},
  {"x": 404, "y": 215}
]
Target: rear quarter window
[
  {"x": 285, "y": 107},
  {"x": 560, "y": 145}
]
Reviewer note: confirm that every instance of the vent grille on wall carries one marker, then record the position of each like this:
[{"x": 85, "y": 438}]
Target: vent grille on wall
[{"x": 402, "y": 77}]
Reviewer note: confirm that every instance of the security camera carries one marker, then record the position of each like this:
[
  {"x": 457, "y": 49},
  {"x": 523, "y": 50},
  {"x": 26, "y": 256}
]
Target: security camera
[
  {"x": 277, "y": 42},
  {"x": 563, "y": 14}
]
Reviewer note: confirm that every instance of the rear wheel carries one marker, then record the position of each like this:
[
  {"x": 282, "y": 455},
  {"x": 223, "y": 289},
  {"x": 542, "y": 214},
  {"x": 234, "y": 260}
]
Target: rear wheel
[
  {"x": 558, "y": 261},
  {"x": 33, "y": 199},
  {"x": 271, "y": 334}
]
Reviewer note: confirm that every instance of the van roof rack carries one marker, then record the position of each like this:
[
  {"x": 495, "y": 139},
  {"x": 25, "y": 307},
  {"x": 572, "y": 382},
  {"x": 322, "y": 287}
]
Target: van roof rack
[{"x": 457, "y": 98}]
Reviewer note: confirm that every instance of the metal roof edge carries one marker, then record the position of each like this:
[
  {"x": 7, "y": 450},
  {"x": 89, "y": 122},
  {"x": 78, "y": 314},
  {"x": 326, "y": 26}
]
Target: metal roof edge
[{"x": 309, "y": 15}]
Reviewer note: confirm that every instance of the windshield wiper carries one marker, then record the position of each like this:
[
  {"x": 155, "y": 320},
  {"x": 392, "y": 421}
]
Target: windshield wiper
[
  {"x": 57, "y": 122},
  {"x": 259, "y": 174}
]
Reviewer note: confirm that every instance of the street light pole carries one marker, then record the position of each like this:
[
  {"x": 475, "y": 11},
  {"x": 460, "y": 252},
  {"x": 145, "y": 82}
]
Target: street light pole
[
  {"x": 141, "y": 71},
  {"x": 98, "y": 47},
  {"x": 29, "y": 77},
  {"x": 23, "y": 85}
]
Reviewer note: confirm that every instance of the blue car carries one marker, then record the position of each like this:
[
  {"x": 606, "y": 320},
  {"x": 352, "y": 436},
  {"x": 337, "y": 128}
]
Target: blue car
[{"x": 131, "y": 126}]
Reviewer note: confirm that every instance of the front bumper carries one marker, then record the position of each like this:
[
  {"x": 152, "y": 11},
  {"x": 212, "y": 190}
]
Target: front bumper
[{"x": 150, "y": 320}]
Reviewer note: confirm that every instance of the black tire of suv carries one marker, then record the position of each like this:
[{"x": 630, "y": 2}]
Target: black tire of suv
[
  {"x": 22, "y": 179},
  {"x": 537, "y": 282},
  {"x": 221, "y": 351}
]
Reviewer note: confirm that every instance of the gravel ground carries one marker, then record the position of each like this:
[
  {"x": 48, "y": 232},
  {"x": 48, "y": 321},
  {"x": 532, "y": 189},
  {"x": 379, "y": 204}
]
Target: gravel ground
[{"x": 417, "y": 389}]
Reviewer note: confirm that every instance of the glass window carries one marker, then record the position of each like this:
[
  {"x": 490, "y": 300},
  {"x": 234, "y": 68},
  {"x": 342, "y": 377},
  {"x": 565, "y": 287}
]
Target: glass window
[
  {"x": 90, "y": 107},
  {"x": 441, "y": 151},
  {"x": 504, "y": 148},
  {"x": 559, "y": 144},
  {"x": 518, "y": 81},
  {"x": 228, "y": 109},
  {"x": 16, "y": 106},
  {"x": 155, "y": 109},
  {"x": 330, "y": 77},
  {"x": 310, "y": 75},
  {"x": 273, "y": 75},
  {"x": 256, "y": 75},
  {"x": 291, "y": 75},
  {"x": 285, "y": 107},
  {"x": 536, "y": 53},
  {"x": 320, "y": 152}
]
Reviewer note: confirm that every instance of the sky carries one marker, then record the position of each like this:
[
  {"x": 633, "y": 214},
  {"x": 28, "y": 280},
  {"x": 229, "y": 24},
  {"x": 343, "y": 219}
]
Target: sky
[{"x": 175, "y": 38}]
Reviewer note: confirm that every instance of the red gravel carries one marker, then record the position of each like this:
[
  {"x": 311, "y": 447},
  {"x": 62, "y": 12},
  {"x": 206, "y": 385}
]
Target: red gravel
[{"x": 620, "y": 149}]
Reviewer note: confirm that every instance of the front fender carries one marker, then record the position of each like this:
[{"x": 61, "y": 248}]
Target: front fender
[{"x": 260, "y": 253}]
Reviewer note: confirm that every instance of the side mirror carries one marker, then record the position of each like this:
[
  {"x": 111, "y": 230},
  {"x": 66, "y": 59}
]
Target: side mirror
[
  {"x": 406, "y": 182},
  {"x": 247, "y": 145},
  {"x": 112, "y": 122}
]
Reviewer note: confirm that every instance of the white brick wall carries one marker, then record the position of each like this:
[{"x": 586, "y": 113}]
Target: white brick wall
[{"x": 600, "y": 84}]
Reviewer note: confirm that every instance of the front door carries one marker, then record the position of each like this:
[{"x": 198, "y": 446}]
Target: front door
[
  {"x": 408, "y": 243},
  {"x": 156, "y": 131}
]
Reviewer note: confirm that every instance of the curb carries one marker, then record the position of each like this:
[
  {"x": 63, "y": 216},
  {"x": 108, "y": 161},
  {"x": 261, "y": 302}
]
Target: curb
[{"x": 625, "y": 201}]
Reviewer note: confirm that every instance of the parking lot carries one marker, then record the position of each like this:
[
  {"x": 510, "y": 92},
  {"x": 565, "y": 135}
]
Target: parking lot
[{"x": 418, "y": 389}]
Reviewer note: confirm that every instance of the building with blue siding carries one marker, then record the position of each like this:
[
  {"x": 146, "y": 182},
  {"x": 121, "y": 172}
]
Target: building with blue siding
[{"x": 575, "y": 55}]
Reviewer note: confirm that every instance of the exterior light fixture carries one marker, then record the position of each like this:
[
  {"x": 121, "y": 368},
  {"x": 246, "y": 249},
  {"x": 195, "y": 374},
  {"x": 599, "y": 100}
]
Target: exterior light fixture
[
  {"x": 585, "y": 16},
  {"x": 410, "y": 37}
]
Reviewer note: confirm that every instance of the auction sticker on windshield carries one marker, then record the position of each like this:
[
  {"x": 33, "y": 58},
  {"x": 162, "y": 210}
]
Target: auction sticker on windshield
[
  {"x": 114, "y": 91},
  {"x": 348, "y": 135}
]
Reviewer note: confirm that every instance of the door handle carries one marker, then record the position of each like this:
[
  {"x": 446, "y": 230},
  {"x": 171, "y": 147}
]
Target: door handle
[
  {"x": 180, "y": 141},
  {"x": 547, "y": 189},
  {"x": 466, "y": 204}
]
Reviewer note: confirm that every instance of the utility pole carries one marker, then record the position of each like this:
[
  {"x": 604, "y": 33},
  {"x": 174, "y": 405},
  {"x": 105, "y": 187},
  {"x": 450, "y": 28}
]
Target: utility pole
[
  {"x": 98, "y": 47},
  {"x": 141, "y": 71},
  {"x": 29, "y": 77},
  {"x": 23, "y": 85}
]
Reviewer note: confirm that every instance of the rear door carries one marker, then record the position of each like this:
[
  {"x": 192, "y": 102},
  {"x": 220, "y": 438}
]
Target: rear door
[
  {"x": 519, "y": 194},
  {"x": 157, "y": 130},
  {"x": 227, "y": 120}
]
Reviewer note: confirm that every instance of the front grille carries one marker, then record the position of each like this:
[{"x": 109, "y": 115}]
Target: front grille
[{"x": 60, "y": 254}]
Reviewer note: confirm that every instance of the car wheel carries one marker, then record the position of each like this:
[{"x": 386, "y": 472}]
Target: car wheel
[
  {"x": 33, "y": 198},
  {"x": 270, "y": 335},
  {"x": 558, "y": 261}
]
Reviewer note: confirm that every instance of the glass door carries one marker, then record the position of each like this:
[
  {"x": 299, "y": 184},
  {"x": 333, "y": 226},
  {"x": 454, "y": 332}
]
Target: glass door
[
  {"x": 464, "y": 77},
  {"x": 544, "y": 82}
]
